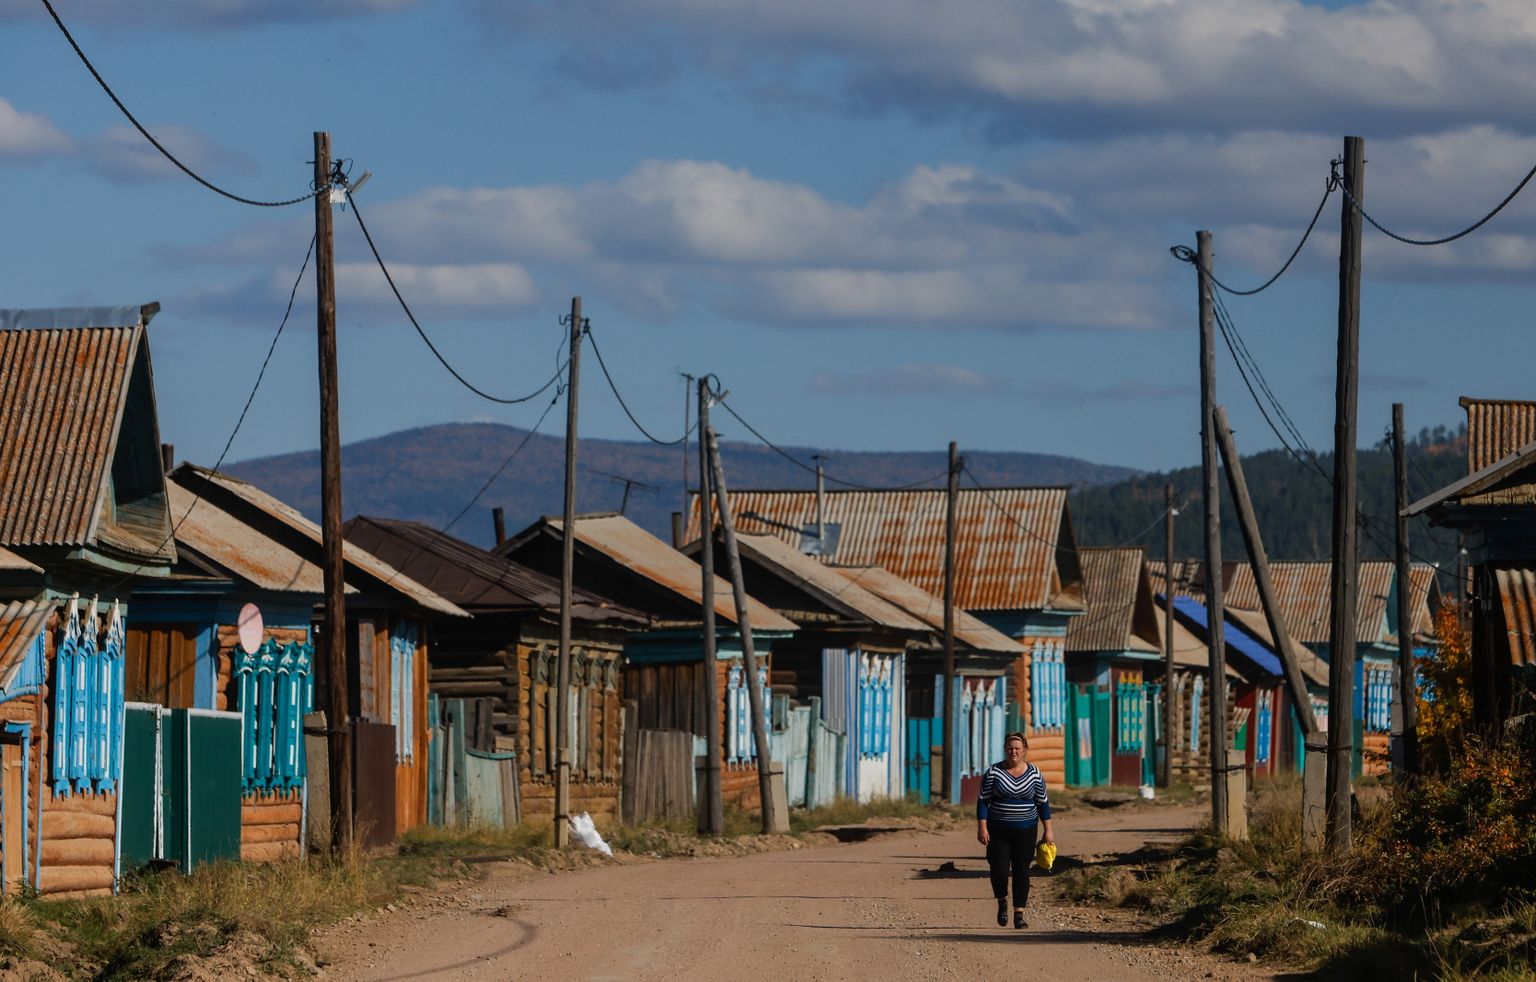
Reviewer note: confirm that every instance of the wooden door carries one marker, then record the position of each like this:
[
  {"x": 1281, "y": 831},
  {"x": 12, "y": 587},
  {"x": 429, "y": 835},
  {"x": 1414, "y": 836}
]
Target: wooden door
[
  {"x": 161, "y": 665},
  {"x": 13, "y": 815}
]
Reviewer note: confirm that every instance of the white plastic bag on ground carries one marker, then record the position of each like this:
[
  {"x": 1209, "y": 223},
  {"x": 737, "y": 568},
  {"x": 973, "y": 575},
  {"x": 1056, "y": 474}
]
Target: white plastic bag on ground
[{"x": 583, "y": 829}]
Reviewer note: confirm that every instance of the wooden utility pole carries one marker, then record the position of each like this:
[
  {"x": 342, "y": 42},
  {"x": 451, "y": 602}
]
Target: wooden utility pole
[
  {"x": 1314, "y": 760},
  {"x": 567, "y": 572},
  {"x": 1344, "y": 586},
  {"x": 755, "y": 698},
  {"x": 333, "y": 628},
  {"x": 1216, "y": 681},
  {"x": 951, "y": 504},
  {"x": 712, "y": 814},
  {"x": 1165, "y": 732},
  {"x": 1407, "y": 676}
]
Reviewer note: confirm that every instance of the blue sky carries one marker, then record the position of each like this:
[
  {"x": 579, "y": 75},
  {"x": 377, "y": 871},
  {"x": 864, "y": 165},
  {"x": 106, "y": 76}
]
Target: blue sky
[{"x": 884, "y": 225}]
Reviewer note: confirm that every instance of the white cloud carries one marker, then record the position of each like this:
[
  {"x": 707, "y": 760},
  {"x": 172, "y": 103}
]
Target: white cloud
[
  {"x": 121, "y": 154},
  {"x": 201, "y": 14},
  {"x": 469, "y": 287},
  {"x": 24, "y": 134}
]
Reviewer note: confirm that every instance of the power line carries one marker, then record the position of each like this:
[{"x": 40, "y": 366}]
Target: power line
[
  {"x": 1334, "y": 165},
  {"x": 1003, "y": 510},
  {"x": 505, "y": 463},
  {"x": 357, "y": 214},
  {"x": 260, "y": 374},
  {"x": 1186, "y": 254},
  {"x": 808, "y": 468},
  {"x": 592, "y": 339},
  {"x": 156, "y": 143}
]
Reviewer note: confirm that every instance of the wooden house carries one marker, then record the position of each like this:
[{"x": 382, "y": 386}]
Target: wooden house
[
  {"x": 847, "y": 659},
  {"x": 663, "y": 665},
  {"x": 1016, "y": 568},
  {"x": 508, "y": 651},
  {"x": 1494, "y": 508},
  {"x": 1114, "y": 672},
  {"x": 1302, "y": 593},
  {"x": 272, "y": 554},
  {"x": 83, "y": 515}
]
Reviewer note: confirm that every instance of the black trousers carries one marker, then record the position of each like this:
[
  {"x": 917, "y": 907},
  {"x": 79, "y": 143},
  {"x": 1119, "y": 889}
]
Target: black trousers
[{"x": 1010, "y": 851}]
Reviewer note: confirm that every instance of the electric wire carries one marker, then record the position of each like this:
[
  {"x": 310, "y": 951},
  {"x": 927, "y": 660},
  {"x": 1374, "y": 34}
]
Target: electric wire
[
  {"x": 592, "y": 339},
  {"x": 358, "y": 215},
  {"x": 508, "y": 462},
  {"x": 1003, "y": 510},
  {"x": 156, "y": 143},
  {"x": 806, "y": 467},
  {"x": 249, "y": 399},
  {"x": 1406, "y": 240},
  {"x": 1188, "y": 255}
]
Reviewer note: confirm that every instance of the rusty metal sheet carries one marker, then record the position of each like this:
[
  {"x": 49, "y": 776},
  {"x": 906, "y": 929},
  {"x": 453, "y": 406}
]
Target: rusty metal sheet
[
  {"x": 969, "y": 630},
  {"x": 1496, "y": 428},
  {"x": 827, "y": 585},
  {"x": 1517, "y": 597},
  {"x": 1114, "y": 582},
  {"x": 20, "y": 623},
  {"x": 61, "y": 402},
  {"x": 1302, "y": 589},
  {"x": 190, "y": 477},
  {"x": 475, "y": 579},
  {"x": 213, "y": 534},
  {"x": 11, "y": 562},
  {"x": 1014, "y": 548},
  {"x": 632, "y": 547}
]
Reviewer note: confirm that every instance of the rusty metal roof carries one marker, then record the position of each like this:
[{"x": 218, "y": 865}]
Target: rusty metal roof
[
  {"x": 474, "y": 579},
  {"x": 195, "y": 478},
  {"x": 62, "y": 394},
  {"x": 20, "y": 624},
  {"x": 1506, "y": 481},
  {"x": 1313, "y": 668},
  {"x": 1302, "y": 590},
  {"x": 1496, "y": 428},
  {"x": 209, "y": 533},
  {"x": 1517, "y": 599},
  {"x": 11, "y": 562},
  {"x": 642, "y": 554},
  {"x": 969, "y": 630},
  {"x": 842, "y": 594},
  {"x": 1114, "y": 584},
  {"x": 1014, "y": 548}
]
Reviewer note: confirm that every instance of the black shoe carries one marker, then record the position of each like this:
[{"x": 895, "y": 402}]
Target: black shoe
[
  {"x": 1018, "y": 919},
  {"x": 1002, "y": 912}
]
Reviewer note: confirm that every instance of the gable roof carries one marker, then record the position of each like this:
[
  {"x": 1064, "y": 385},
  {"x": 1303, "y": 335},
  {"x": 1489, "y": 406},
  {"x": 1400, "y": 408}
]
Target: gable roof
[
  {"x": 228, "y": 491},
  {"x": 1302, "y": 590},
  {"x": 215, "y": 538},
  {"x": 477, "y": 580},
  {"x": 824, "y": 584},
  {"x": 74, "y": 402},
  {"x": 1115, "y": 591},
  {"x": 638, "y": 554},
  {"x": 970, "y": 631},
  {"x": 1014, "y": 548},
  {"x": 1498, "y": 483}
]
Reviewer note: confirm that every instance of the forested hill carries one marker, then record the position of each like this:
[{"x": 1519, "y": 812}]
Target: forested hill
[{"x": 1292, "y": 501}]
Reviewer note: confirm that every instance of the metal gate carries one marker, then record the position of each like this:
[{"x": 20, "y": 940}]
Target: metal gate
[
  {"x": 920, "y": 759},
  {"x": 373, "y": 783},
  {"x": 181, "y": 786}
]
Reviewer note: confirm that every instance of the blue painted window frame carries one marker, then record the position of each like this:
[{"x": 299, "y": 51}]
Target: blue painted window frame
[
  {"x": 1197, "y": 692},
  {"x": 86, "y": 752},
  {"x": 275, "y": 689},
  {"x": 402, "y": 708}
]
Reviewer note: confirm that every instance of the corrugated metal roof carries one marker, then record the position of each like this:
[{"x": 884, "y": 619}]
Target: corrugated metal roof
[
  {"x": 1313, "y": 668},
  {"x": 1496, "y": 428},
  {"x": 208, "y": 531},
  {"x": 473, "y": 578},
  {"x": 825, "y": 584},
  {"x": 61, "y": 402},
  {"x": 632, "y": 547},
  {"x": 1013, "y": 548},
  {"x": 1302, "y": 590},
  {"x": 11, "y": 562},
  {"x": 969, "y": 630},
  {"x": 188, "y": 475},
  {"x": 1113, "y": 581},
  {"x": 1517, "y": 596},
  {"x": 20, "y": 624}
]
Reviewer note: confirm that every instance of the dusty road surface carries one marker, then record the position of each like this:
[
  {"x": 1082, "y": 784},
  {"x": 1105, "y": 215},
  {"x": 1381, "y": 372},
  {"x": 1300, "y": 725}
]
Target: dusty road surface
[{"x": 885, "y": 908}]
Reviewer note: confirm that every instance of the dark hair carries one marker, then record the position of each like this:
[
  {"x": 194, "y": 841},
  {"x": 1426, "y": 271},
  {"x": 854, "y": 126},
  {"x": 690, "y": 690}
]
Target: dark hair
[{"x": 1017, "y": 736}]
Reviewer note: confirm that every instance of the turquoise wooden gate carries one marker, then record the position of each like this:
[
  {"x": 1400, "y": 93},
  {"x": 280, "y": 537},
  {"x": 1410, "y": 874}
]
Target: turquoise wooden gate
[{"x": 920, "y": 759}]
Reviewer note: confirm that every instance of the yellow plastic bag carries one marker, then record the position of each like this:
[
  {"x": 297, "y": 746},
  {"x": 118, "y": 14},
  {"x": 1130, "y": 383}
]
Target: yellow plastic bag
[{"x": 1045, "y": 855}]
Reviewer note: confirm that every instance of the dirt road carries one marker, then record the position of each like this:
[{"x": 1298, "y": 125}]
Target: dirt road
[{"x": 886, "y": 908}]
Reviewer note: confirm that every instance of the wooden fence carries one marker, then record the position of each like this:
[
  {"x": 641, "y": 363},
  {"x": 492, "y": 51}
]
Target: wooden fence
[
  {"x": 658, "y": 776},
  {"x": 469, "y": 781}
]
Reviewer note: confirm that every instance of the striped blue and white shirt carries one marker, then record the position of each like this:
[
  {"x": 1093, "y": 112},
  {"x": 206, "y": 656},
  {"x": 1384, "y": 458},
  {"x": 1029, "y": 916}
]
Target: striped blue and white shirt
[{"x": 1014, "y": 802}]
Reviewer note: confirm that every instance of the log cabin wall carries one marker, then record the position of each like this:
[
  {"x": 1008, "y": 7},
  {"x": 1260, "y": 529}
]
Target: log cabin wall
[
  {"x": 597, "y": 760},
  {"x": 1047, "y": 745}
]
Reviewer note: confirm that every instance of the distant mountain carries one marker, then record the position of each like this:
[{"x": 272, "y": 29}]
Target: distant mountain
[
  {"x": 1292, "y": 501},
  {"x": 430, "y": 474}
]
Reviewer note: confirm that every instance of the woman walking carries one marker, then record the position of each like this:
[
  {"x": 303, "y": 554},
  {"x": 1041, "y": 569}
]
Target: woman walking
[{"x": 1011, "y": 810}]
